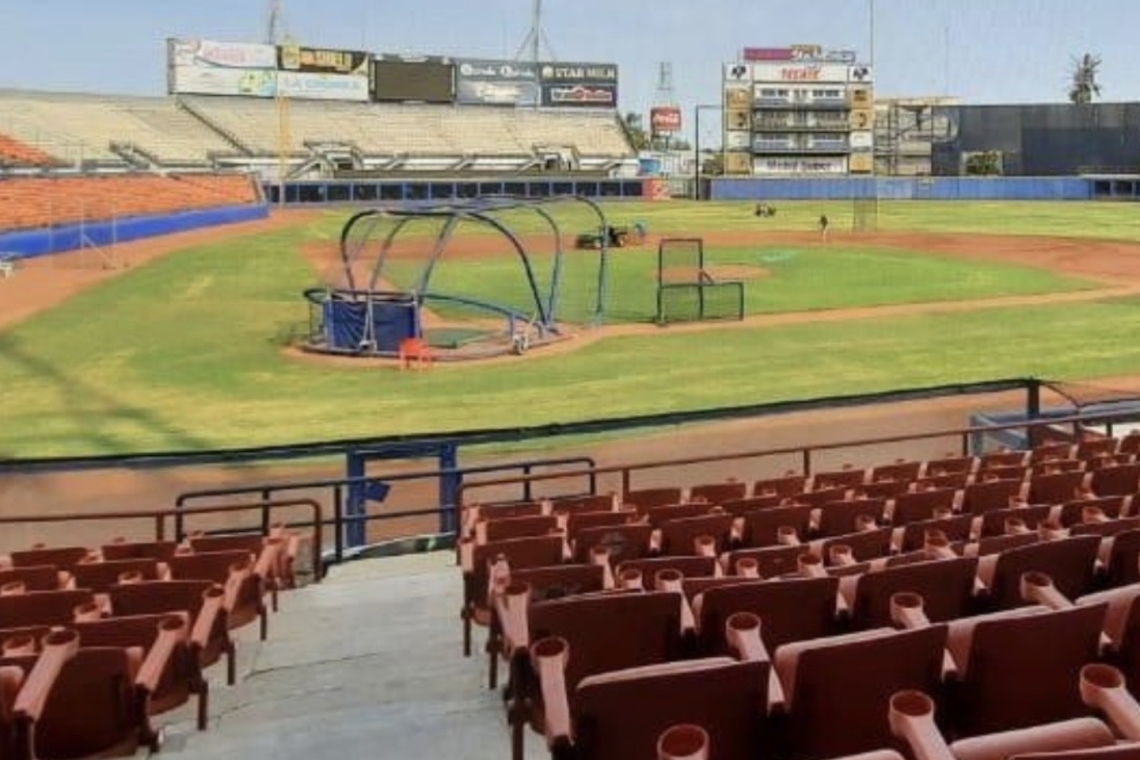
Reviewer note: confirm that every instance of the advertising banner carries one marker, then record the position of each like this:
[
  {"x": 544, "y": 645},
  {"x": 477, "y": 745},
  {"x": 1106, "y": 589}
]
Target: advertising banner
[
  {"x": 737, "y": 72},
  {"x": 862, "y": 163},
  {"x": 419, "y": 80},
  {"x": 737, "y": 164},
  {"x": 810, "y": 166},
  {"x": 664, "y": 120},
  {"x": 737, "y": 140},
  {"x": 767, "y": 54},
  {"x": 800, "y": 72},
  {"x": 225, "y": 55},
  {"x": 862, "y": 119},
  {"x": 738, "y": 97},
  {"x": 298, "y": 84},
  {"x": 803, "y": 53},
  {"x": 862, "y": 140},
  {"x": 738, "y": 118},
  {"x": 502, "y": 83},
  {"x": 203, "y": 67},
  {"x": 323, "y": 61},
  {"x": 579, "y": 85},
  {"x": 580, "y": 95},
  {"x": 208, "y": 80}
]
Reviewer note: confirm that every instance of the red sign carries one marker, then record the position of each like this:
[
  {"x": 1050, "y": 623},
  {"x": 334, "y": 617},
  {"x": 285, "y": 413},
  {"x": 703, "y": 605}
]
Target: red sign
[
  {"x": 664, "y": 119},
  {"x": 768, "y": 54},
  {"x": 801, "y": 74}
]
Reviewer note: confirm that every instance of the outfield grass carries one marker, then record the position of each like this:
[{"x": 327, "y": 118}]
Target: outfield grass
[
  {"x": 790, "y": 280},
  {"x": 186, "y": 352},
  {"x": 1080, "y": 219}
]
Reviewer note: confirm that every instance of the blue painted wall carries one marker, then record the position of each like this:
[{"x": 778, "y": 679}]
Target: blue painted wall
[
  {"x": 904, "y": 188},
  {"x": 31, "y": 243}
]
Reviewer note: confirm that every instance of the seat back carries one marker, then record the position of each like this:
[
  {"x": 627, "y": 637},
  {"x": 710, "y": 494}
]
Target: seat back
[
  {"x": 519, "y": 553},
  {"x": 158, "y": 597},
  {"x": 62, "y": 557},
  {"x": 1024, "y": 670},
  {"x": 1056, "y": 488},
  {"x": 157, "y": 550},
  {"x": 787, "y": 485},
  {"x": 620, "y": 717},
  {"x": 1070, "y": 562},
  {"x": 789, "y": 610},
  {"x": 838, "y": 479},
  {"x": 741, "y": 507},
  {"x": 679, "y": 537},
  {"x": 658, "y": 516},
  {"x": 994, "y": 521},
  {"x": 1123, "y": 567},
  {"x": 905, "y": 471},
  {"x": 771, "y": 561},
  {"x": 956, "y": 528},
  {"x": 762, "y": 528},
  {"x": 99, "y": 576},
  {"x": 645, "y": 498},
  {"x": 42, "y": 607},
  {"x": 989, "y": 495},
  {"x": 715, "y": 493},
  {"x": 838, "y": 518},
  {"x": 505, "y": 528},
  {"x": 34, "y": 578},
  {"x": 622, "y": 541},
  {"x": 921, "y": 505},
  {"x": 1073, "y": 510},
  {"x": 248, "y": 542},
  {"x": 1119, "y": 480},
  {"x": 576, "y": 522},
  {"x": 569, "y": 505},
  {"x": 609, "y": 632},
  {"x": 946, "y": 587},
  {"x": 845, "y": 684},
  {"x": 561, "y": 581},
  {"x": 208, "y": 566},
  {"x": 865, "y": 546}
]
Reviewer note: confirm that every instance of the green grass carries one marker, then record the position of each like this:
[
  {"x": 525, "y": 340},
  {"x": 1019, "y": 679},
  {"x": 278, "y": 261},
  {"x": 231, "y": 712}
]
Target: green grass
[
  {"x": 1080, "y": 219},
  {"x": 186, "y": 352},
  {"x": 801, "y": 279}
]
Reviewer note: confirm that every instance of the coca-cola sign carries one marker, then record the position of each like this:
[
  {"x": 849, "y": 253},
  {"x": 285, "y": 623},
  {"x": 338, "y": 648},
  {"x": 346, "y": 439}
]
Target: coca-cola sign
[{"x": 665, "y": 119}]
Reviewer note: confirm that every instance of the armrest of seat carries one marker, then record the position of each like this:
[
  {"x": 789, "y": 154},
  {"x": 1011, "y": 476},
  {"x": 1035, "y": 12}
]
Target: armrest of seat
[
  {"x": 172, "y": 631},
  {"x": 1038, "y": 588},
  {"x": 268, "y": 560},
  {"x": 549, "y": 657},
  {"x": 238, "y": 573},
  {"x": 66, "y": 580},
  {"x": 1103, "y": 688},
  {"x": 911, "y": 718},
  {"x": 58, "y": 648},
  {"x": 742, "y": 632},
  {"x": 213, "y": 601},
  {"x": 511, "y": 608}
]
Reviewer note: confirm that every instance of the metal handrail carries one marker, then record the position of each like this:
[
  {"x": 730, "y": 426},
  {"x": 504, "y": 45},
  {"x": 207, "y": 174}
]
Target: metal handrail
[
  {"x": 160, "y": 516},
  {"x": 627, "y": 469}
]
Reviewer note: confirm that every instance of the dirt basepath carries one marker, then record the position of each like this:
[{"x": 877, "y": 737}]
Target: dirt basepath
[{"x": 47, "y": 281}]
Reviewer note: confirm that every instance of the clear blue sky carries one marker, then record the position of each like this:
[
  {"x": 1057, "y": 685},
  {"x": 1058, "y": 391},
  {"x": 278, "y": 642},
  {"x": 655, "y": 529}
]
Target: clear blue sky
[{"x": 999, "y": 50}]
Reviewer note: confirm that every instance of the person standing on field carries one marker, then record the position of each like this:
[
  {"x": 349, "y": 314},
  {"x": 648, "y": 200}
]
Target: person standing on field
[{"x": 823, "y": 224}]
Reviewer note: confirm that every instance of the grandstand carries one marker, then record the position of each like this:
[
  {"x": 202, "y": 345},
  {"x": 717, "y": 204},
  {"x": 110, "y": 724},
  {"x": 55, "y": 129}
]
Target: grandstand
[
  {"x": 40, "y": 129},
  {"x": 34, "y": 202}
]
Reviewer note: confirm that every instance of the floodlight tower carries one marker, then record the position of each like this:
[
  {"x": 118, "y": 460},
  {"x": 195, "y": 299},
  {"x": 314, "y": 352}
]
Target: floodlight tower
[
  {"x": 275, "y": 35},
  {"x": 536, "y": 38}
]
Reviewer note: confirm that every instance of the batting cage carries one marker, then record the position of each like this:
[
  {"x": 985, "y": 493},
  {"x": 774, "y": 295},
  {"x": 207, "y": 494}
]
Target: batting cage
[
  {"x": 686, "y": 291},
  {"x": 468, "y": 279}
]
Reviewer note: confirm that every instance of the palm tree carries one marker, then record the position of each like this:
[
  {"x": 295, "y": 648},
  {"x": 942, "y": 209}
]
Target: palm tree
[{"x": 1084, "y": 87}]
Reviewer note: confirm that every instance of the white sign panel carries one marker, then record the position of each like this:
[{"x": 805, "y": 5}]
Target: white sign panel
[
  {"x": 801, "y": 73},
  {"x": 862, "y": 140},
  {"x": 207, "y": 80},
  {"x": 226, "y": 55},
  {"x": 737, "y": 140},
  {"x": 298, "y": 84},
  {"x": 812, "y": 166},
  {"x": 860, "y": 74}
]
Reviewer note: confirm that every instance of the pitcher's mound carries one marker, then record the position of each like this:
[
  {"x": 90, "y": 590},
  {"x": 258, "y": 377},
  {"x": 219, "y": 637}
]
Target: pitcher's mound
[{"x": 718, "y": 272}]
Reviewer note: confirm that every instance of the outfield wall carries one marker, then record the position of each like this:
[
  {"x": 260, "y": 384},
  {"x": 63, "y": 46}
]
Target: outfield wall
[
  {"x": 449, "y": 188},
  {"x": 911, "y": 188},
  {"x": 70, "y": 237}
]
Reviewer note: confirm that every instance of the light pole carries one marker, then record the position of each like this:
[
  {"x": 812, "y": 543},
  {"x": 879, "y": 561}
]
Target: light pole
[{"x": 697, "y": 195}]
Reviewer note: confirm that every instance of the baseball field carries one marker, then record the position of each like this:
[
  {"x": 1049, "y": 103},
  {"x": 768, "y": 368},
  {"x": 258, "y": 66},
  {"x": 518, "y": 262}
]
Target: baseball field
[{"x": 189, "y": 343}]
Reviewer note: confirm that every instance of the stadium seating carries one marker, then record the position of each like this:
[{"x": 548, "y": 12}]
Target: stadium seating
[
  {"x": 84, "y": 129},
  {"x": 1018, "y": 573},
  {"x": 32, "y": 202},
  {"x": 15, "y": 153}
]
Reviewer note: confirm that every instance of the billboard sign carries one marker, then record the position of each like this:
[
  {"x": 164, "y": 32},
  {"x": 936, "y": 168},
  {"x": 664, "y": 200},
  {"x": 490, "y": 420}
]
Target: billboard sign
[
  {"x": 312, "y": 86},
  {"x": 734, "y": 140},
  {"x": 810, "y": 166},
  {"x": 862, "y": 140},
  {"x": 504, "y": 83},
  {"x": 323, "y": 61},
  {"x": 800, "y": 73},
  {"x": 221, "y": 55},
  {"x": 579, "y": 85},
  {"x": 801, "y": 53},
  {"x": 203, "y": 67},
  {"x": 207, "y": 80},
  {"x": 415, "y": 80},
  {"x": 580, "y": 95},
  {"x": 737, "y": 72},
  {"x": 665, "y": 119}
]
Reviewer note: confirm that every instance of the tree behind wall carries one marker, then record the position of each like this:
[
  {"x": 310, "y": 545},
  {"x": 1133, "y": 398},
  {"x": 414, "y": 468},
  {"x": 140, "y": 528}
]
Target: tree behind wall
[{"x": 1084, "y": 87}]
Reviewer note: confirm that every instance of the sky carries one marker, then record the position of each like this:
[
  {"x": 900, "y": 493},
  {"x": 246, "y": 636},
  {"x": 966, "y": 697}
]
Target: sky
[{"x": 983, "y": 51}]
